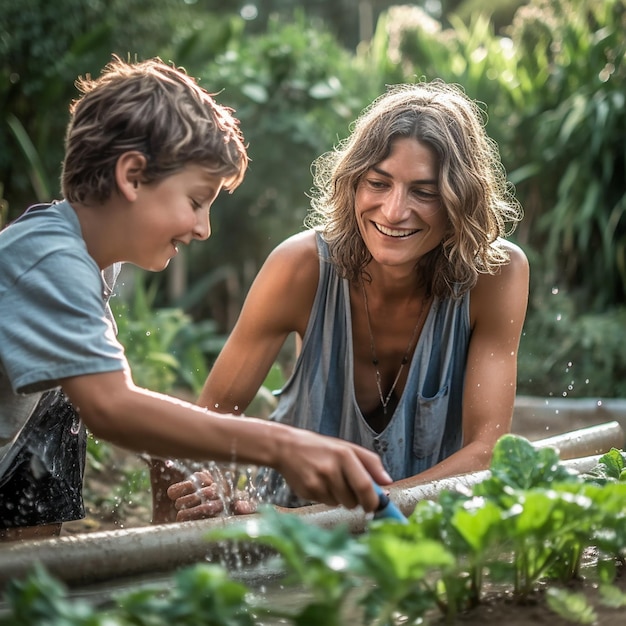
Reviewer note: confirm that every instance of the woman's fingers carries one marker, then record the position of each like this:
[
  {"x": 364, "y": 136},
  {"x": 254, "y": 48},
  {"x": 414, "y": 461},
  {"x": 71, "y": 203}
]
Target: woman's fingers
[
  {"x": 201, "y": 497},
  {"x": 202, "y": 511},
  {"x": 332, "y": 471},
  {"x": 198, "y": 497},
  {"x": 242, "y": 506},
  {"x": 197, "y": 481}
]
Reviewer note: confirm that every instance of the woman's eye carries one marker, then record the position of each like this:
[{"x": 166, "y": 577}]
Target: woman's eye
[
  {"x": 376, "y": 184},
  {"x": 195, "y": 204},
  {"x": 424, "y": 194}
]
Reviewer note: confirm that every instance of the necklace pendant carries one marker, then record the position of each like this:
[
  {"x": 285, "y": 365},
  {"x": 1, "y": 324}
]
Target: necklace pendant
[{"x": 384, "y": 401}]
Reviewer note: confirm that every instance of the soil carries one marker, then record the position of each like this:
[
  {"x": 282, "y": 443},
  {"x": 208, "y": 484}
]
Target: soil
[{"x": 112, "y": 505}]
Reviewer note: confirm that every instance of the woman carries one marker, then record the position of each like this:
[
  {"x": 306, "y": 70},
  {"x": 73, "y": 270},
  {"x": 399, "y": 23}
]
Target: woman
[{"x": 407, "y": 299}]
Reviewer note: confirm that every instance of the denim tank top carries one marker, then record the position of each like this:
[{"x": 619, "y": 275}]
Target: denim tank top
[{"x": 426, "y": 426}]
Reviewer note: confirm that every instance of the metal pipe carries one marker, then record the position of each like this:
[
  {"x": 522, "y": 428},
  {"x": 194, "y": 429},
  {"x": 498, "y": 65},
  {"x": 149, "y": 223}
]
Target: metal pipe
[
  {"x": 586, "y": 441},
  {"x": 110, "y": 555}
]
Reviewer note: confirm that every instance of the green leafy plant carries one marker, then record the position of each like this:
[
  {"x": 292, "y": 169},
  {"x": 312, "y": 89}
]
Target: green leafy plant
[
  {"x": 530, "y": 521},
  {"x": 572, "y": 606},
  {"x": 202, "y": 594},
  {"x": 163, "y": 345},
  {"x": 568, "y": 353}
]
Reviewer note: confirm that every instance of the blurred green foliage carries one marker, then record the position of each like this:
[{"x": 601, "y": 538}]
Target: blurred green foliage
[
  {"x": 566, "y": 353},
  {"x": 551, "y": 75},
  {"x": 165, "y": 348},
  {"x": 295, "y": 89}
]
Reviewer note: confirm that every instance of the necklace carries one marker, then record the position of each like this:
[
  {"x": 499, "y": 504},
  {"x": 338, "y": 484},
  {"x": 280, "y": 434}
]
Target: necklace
[{"x": 405, "y": 359}]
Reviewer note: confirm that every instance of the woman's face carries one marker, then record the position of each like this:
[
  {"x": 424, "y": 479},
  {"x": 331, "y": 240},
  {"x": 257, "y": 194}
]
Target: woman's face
[{"x": 398, "y": 205}]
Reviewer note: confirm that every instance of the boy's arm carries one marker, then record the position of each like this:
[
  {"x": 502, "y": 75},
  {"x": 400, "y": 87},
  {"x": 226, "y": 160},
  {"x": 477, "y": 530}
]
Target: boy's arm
[
  {"x": 318, "y": 468},
  {"x": 278, "y": 303}
]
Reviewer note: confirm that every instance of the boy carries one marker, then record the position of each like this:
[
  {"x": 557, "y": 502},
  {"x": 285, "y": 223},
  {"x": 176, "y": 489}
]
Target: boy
[{"x": 147, "y": 153}]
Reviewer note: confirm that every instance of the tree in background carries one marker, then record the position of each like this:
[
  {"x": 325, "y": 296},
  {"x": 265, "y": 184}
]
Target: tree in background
[
  {"x": 43, "y": 48},
  {"x": 551, "y": 76}
]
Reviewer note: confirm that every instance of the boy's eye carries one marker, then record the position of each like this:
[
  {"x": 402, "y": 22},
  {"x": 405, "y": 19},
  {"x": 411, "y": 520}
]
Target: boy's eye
[{"x": 195, "y": 204}]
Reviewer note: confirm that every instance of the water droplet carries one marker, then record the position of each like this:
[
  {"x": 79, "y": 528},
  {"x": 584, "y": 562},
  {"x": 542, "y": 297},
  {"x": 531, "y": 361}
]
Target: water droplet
[
  {"x": 558, "y": 317},
  {"x": 599, "y": 402},
  {"x": 337, "y": 563},
  {"x": 555, "y": 290},
  {"x": 75, "y": 428},
  {"x": 147, "y": 333}
]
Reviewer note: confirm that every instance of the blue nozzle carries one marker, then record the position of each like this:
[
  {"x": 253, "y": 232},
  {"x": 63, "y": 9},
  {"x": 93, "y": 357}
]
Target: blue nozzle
[{"x": 386, "y": 508}]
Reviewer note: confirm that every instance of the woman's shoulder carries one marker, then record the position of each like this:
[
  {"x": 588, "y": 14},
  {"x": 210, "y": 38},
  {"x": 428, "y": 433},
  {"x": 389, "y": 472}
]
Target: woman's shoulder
[
  {"x": 298, "y": 253},
  {"x": 517, "y": 259},
  {"x": 508, "y": 285},
  {"x": 288, "y": 280},
  {"x": 303, "y": 243},
  {"x": 293, "y": 264},
  {"x": 513, "y": 249}
]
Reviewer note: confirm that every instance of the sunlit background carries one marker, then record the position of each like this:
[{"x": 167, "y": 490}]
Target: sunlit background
[{"x": 549, "y": 72}]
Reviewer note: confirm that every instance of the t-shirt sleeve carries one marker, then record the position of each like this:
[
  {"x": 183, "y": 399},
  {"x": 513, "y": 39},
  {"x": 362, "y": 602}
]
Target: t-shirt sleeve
[{"x": 54, "y": 324}]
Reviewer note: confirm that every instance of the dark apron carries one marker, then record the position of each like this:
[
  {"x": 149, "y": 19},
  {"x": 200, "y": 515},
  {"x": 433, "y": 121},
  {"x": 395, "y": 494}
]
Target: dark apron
[{"x": 44, "y": 481}]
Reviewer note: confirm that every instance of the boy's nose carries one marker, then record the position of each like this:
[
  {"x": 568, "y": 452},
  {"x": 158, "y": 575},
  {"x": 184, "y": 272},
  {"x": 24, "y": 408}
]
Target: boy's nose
[{"x": 203, "y": 227}]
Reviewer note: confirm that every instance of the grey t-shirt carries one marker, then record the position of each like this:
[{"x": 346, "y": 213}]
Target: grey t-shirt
[{"x": 54, "y": 316}]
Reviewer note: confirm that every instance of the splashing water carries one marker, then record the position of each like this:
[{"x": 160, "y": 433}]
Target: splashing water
[
  {"x": 76, "y": 425},
  {"x": 233, "y": 482}
]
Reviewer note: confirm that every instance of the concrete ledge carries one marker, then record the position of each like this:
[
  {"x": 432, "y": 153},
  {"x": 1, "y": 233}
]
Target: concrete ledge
[{"x": 535, "y": 417}]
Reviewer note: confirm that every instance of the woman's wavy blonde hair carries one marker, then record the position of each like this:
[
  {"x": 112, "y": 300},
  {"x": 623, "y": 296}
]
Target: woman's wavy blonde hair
[
  {"x": 478, "y": 200},
  {"x": 156, "y": 109}
]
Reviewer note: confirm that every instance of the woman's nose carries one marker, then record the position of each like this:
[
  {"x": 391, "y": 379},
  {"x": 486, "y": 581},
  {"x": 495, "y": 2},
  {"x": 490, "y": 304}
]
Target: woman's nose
[{"x": 396, "y": 205}]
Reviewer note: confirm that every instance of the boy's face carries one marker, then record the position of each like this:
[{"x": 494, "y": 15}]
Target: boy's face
[{"x": 171, "y": 212}]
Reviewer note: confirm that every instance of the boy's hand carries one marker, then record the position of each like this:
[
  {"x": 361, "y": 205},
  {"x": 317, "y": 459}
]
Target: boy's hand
[
  {"x": 318, "y": 468},
  {"x": 331, "y": 471}
]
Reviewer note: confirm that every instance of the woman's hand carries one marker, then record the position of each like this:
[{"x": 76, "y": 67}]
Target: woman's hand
[{"x": 201, "y": 497}]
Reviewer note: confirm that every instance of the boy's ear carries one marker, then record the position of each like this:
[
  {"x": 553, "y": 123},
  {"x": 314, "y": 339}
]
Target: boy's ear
[{"x": 129, "y": 173}]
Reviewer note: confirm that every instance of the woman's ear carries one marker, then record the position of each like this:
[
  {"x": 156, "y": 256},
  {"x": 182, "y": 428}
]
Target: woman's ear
[{"x": 129, "y": 173}]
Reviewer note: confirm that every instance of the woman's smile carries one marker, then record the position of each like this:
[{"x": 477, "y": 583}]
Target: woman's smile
[{"x": 394, "y": 232}]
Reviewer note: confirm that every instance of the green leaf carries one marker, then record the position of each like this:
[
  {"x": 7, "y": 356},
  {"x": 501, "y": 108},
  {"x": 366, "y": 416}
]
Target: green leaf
[
  {"x": 517, "y": 464},
  {"x": 614, "y": 463},
  {"x": 612, "y": 597},
  {"x": 395, "y": 559},
  {"x": 317, "y": 613},
  {"x": 257, "y": 93},
  {"x": 478, "y": 522},
  {"x": 37, "y": 172},
  {"x": 571, "y": 606}
]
